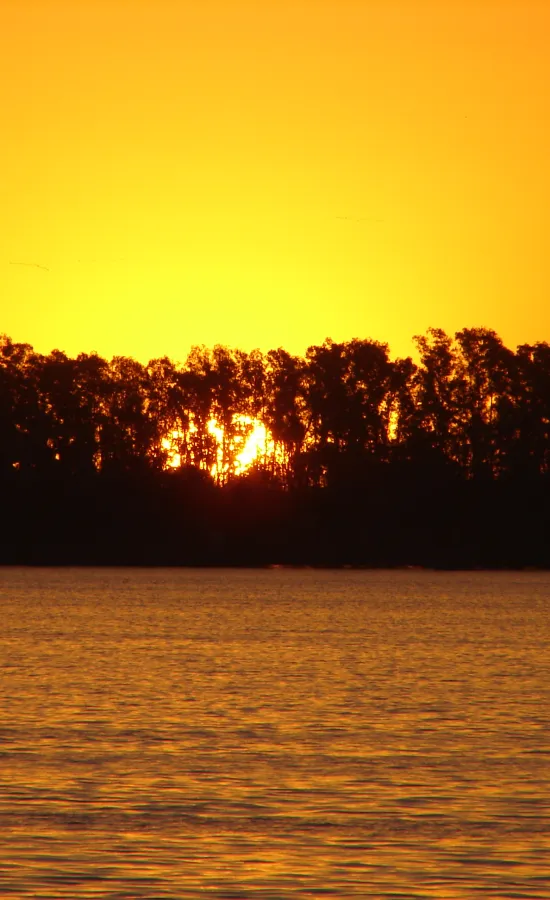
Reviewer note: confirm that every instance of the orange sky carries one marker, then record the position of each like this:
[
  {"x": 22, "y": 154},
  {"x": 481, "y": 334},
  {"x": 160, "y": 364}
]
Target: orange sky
[{"x": 272, "y": 172}]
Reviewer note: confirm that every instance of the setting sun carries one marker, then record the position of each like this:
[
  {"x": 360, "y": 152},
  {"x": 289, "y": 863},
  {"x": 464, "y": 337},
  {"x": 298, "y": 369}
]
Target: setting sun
[
  {"x": 255, "y": 446},
  {"x": 252, "y": 444}
]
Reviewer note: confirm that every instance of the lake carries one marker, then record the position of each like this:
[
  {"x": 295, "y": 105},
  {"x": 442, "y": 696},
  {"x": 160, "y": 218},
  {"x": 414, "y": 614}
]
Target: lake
[{"x": 172, "y": 733}]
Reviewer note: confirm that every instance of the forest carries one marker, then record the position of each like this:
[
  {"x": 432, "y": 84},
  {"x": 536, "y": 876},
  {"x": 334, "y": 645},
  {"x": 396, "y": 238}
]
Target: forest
[{"x": 342, "y": 457}]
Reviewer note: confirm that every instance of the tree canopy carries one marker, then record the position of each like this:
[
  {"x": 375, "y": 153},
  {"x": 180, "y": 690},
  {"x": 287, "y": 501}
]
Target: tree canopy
[{"x": 344, "y": 419}]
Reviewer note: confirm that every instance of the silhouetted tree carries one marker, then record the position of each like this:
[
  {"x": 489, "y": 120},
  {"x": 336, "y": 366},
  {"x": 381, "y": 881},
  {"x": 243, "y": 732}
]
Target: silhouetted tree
[
  {"x": 531, "y": 444},
  {"x": 436, "y": 395},
  {"x": 484, "y": 387},
  {"x": 366, "y": 460},
  {"x": 285, "y": 413}
]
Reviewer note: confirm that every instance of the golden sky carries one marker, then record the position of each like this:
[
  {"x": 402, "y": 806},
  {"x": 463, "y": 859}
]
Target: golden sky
[{"x": 272, "y": 172}]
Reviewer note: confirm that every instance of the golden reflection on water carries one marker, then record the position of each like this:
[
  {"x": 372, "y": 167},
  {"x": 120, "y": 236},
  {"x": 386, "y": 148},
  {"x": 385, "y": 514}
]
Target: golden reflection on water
[{"x": 276, "y": 734}]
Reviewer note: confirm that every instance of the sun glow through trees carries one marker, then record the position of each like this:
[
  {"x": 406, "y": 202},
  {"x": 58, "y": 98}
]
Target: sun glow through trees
[
  {"x": 251, "y": 443},
  {"x": 256, "y": 445}
]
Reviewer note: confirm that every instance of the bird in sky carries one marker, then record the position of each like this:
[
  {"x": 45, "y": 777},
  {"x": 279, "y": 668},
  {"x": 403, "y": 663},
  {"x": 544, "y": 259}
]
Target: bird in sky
[{"x": 32, "y": 265}]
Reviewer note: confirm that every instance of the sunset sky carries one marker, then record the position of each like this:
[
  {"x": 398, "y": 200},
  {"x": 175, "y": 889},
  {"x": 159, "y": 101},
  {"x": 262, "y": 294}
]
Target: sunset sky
[{"x": 261, "y": 173}]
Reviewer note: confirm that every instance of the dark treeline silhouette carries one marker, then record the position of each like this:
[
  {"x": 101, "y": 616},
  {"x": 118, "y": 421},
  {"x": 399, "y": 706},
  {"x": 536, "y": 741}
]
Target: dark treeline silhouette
[{"x": 364, "y": 460}]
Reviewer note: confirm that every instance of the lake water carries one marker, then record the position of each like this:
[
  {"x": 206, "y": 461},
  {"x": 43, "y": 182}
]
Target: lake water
[{"x": 278, "y": 734}]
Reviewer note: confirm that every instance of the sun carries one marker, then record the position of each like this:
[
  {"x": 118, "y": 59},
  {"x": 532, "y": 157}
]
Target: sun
[
  {"x": 255, "y": 446},
  {"x": 252, "y": 443}
]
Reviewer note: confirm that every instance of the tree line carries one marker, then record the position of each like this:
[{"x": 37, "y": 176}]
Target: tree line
[{"x": 366, "y": 459}]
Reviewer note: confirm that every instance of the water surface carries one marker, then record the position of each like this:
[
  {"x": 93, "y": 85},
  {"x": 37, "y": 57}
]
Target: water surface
[{"x": 277, "y": 734}]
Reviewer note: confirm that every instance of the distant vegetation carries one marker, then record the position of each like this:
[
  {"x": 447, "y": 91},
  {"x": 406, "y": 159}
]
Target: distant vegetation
[{"x": 358, "y": 459}]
